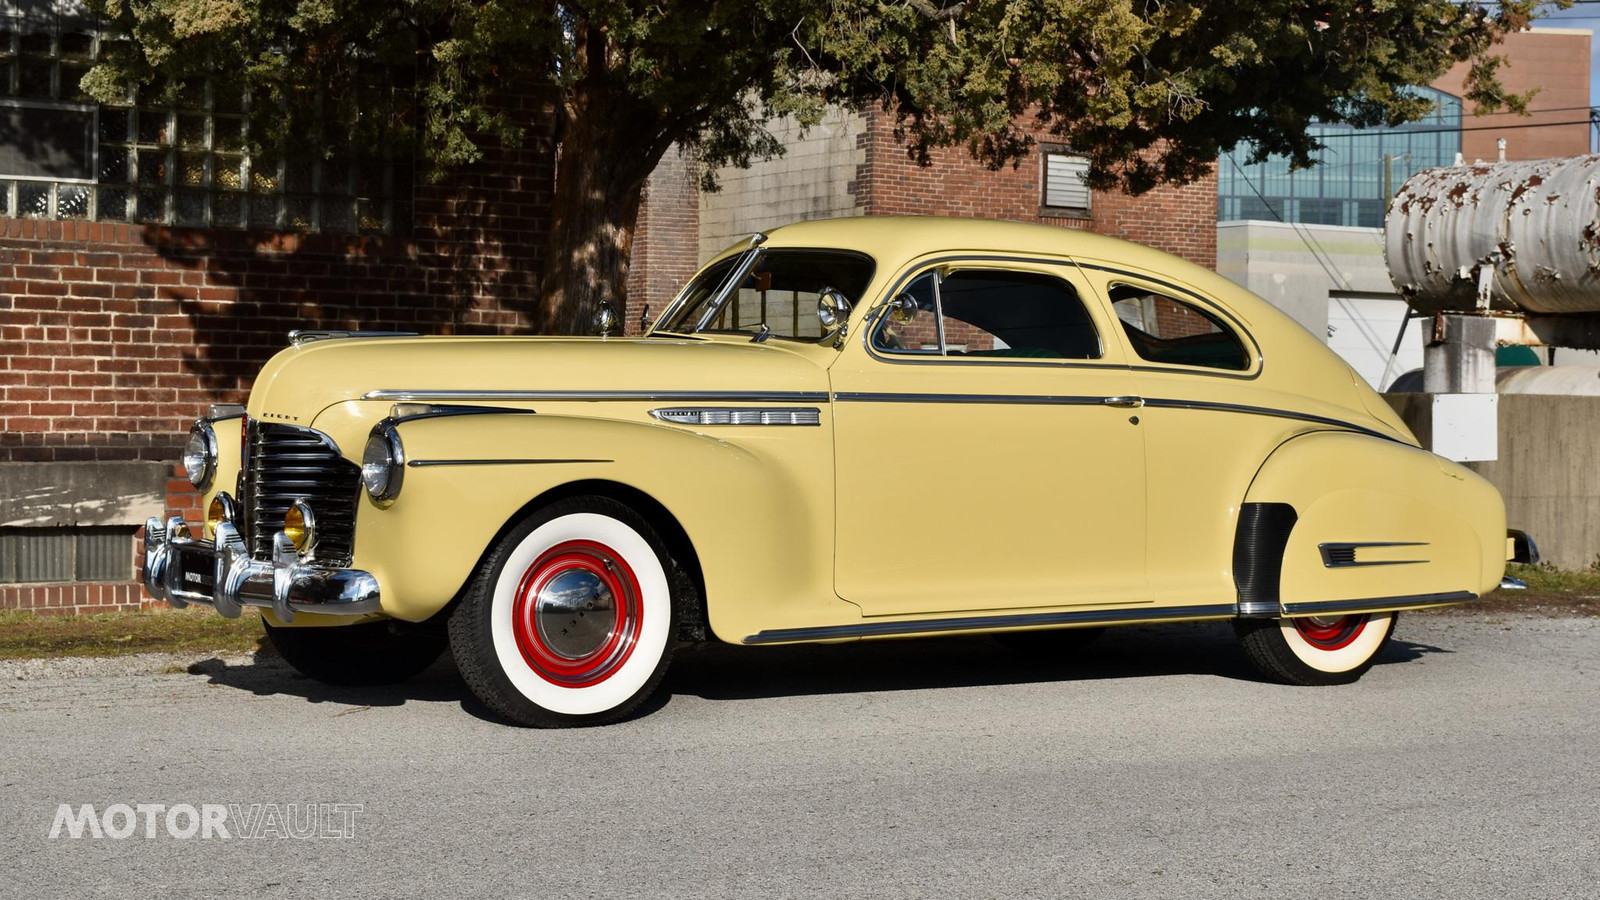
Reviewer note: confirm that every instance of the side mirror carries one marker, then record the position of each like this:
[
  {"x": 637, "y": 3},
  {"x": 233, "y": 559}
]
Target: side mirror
[
  {"x": 903, "y": 309},
  {"x": 832, "y": 308}
]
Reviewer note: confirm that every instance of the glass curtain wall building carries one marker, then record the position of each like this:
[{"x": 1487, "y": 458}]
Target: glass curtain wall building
[{"x": 1347, "y": 185}]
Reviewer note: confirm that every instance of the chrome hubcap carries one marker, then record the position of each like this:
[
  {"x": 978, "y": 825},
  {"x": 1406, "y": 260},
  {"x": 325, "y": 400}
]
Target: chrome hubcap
[{"x": 575, "y": 613}]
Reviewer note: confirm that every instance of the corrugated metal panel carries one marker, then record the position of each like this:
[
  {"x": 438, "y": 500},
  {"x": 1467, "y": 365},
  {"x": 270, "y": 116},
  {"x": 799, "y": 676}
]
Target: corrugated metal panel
[
  {"x": 44, "y": 555},
  {"x": 38, "y": 555},
  {"x": 105, "y": 554},
  {"x": 1063, "y": 181}
]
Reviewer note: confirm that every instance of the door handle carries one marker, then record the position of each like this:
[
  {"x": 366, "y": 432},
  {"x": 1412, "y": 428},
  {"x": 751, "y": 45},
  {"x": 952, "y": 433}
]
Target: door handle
[{"x": 1124, "y": 402}]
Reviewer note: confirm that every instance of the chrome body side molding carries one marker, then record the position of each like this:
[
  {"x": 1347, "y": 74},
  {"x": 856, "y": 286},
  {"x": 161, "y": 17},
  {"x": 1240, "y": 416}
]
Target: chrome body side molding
[
  {"x": 1334, "y": 607},
  {"x": 1020, "y": 620}
]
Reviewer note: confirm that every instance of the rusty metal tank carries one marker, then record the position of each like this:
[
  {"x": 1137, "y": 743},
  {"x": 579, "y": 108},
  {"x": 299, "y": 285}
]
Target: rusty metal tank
[{"x": 1517, "y": 236}]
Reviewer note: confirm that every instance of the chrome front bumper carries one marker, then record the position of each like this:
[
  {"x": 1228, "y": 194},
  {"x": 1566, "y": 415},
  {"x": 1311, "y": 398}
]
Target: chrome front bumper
[{"x": 182, "y": 570}]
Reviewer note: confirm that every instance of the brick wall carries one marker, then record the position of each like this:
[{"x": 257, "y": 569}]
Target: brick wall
[
  {"x": 667, "y": 240},
  {"x": 1556, "y": 63},
  {"x": 1180, "y": 220},
  {"x": 114, "y": 337}
]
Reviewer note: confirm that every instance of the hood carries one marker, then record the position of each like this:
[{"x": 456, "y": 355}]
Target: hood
[{"x": 302, "y": 381}]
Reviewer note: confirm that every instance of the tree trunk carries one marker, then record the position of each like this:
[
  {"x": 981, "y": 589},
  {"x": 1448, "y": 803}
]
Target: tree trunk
[{"x": 600, "y": 174}]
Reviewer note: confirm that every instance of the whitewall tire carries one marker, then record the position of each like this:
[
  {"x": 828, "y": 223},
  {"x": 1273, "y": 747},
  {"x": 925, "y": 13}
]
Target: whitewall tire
[
  {"x": 571, "y": 618},
  {"x": 1316, "y": 650}
]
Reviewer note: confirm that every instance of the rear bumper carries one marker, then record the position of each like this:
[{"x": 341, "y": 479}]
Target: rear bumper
[{"x": 182, "y": 570}]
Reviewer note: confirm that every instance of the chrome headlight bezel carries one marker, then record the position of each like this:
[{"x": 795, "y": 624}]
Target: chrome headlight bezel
[
  {"x": 200, "y": 454},
  {"x": 383, "y": 464}
]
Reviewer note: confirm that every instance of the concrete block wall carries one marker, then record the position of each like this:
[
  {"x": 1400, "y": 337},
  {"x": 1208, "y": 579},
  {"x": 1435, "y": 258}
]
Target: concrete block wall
[{"x": 1548, "y": 470}]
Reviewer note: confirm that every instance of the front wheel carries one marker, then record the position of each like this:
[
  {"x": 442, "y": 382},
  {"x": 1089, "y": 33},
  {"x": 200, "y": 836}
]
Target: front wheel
[
  {"x": 571, "y": 618},
  {"x": 1316, "y": 650}
]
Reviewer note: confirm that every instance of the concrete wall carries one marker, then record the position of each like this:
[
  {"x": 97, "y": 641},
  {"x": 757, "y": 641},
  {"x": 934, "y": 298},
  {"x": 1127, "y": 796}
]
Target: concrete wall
[
  {"x": 814, "y": 179},
  {"x": 1548, "y": 470}
]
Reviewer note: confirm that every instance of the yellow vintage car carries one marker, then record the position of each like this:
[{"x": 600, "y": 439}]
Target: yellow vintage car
[{"x": 842, "y": 430}]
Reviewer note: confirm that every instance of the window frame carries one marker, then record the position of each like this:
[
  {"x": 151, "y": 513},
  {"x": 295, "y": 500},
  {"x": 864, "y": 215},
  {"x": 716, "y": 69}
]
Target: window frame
[
  {"x": 875, "y": 317},
  {"x": 1186, "y": 297}
]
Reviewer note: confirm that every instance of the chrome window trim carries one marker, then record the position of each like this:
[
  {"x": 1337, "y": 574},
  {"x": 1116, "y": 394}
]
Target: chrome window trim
[
  {"x": 1017, "y": 620},
  {"x": 874, "y": 317},
  {"x": 664, "y": 396},
  {"x": 1259, "y": 356}
]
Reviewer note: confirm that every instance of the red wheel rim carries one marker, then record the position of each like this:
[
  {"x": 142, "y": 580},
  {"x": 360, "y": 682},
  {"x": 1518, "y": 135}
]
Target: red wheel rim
[
  {"x": 577, "y": 613},
  {"x": 1331, "y": 632}
]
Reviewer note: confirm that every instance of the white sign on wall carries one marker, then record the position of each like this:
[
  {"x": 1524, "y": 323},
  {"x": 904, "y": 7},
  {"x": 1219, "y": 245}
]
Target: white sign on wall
[{"x": 1466, "y": 427}]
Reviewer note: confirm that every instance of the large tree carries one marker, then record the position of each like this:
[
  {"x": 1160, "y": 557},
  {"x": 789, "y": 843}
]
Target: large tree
[{"x": 1149, "y": 90}]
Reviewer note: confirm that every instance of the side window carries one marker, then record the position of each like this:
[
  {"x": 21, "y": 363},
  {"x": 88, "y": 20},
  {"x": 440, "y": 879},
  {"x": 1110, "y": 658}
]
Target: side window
[
  {"x": 1165, "y": 330},
  {"x": 989, "y": 313}
]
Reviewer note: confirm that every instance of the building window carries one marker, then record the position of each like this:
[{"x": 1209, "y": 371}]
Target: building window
[
  {"x": 182, "y": 163},
  {"x": 1065, "y": 186},
  {"x": 1357, "y": 170}
]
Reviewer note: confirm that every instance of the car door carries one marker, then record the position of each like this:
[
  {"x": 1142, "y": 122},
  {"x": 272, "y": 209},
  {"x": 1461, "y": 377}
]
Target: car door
[
  {"x": 1207, "y": 426},
  {"x": 985, "y": 458}
]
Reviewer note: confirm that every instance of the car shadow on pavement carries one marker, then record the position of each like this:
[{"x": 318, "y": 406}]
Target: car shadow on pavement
[
  {"x": 725, "y": 672},
  {"x": 267, "y": 674}
]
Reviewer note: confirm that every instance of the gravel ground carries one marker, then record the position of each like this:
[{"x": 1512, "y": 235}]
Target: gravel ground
[{"x": 1156, "y": 764}]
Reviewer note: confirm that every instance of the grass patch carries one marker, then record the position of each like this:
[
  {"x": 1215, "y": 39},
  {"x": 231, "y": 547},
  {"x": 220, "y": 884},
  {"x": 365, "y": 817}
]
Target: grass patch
[
  {"x": 26, "y": 635},
  {"x": 1551, "y": 592}
]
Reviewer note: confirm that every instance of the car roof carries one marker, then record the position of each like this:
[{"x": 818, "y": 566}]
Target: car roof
[{"x": 897, "y": 239}]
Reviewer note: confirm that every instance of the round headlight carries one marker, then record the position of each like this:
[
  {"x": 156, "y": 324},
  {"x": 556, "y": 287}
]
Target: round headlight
[
  {"x": 383, "y": 464},
  {"x": 200, "y": 454}
]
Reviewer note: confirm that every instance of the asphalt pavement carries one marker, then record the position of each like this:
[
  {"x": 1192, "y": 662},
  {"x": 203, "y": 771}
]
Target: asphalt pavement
[{"x": 1155, "y": 764}]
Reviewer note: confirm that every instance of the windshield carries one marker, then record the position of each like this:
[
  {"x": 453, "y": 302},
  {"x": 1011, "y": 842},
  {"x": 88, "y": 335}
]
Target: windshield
[{"x": 778, "y": 288}]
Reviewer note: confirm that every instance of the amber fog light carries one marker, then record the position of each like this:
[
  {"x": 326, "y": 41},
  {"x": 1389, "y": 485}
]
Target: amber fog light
[
  {"x": 300, "y": 526},
  {"x": 222, "y": 509}
]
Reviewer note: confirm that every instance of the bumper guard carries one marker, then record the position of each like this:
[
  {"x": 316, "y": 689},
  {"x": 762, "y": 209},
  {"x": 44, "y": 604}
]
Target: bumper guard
[{"x": 182, "y": 570}]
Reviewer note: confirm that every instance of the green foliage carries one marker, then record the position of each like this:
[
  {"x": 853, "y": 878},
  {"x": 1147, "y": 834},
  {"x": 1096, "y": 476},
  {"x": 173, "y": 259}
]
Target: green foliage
[{"x": 1149, "y": 90}]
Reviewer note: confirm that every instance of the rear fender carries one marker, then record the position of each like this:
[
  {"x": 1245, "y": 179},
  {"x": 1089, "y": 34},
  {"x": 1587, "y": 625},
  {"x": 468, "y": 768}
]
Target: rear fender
[{"x": 1380, "y": 525}]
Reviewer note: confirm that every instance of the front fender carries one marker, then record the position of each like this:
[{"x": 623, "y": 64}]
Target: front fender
[
  {"x": 1425, "y": 527},
  {"x": 756, "y": 510}
]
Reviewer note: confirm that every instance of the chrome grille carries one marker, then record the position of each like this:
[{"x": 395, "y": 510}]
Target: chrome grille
[{"x": 285, "y": 463}]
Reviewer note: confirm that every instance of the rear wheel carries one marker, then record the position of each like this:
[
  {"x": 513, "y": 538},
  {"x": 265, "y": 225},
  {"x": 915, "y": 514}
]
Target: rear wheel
[
  {"x": 364, "y": 654},
  {"x": 1316, "y": 650},
  {"x": 571, "y": 618}
]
